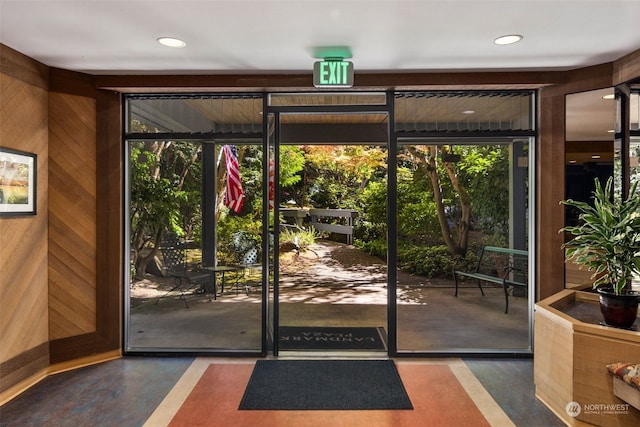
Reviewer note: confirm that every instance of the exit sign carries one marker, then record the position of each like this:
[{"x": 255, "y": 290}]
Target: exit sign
[{"x": 333, "y": 73}]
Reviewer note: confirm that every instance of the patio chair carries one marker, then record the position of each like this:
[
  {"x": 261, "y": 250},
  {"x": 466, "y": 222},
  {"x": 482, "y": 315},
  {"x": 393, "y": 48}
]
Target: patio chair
[
  {"x": 174, "y": 254},
  {"x": 246, "y": 252}
]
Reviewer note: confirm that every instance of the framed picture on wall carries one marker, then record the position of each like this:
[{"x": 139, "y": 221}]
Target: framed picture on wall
[{"x": 17, "y": 182}]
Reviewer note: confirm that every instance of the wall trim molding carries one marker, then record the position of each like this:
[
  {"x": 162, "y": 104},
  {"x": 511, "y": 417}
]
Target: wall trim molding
[{"x": 16, "y": 389}]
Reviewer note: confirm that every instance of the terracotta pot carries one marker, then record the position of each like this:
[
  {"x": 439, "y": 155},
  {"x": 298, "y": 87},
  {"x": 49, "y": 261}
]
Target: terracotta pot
[{"x": 620, "y": 311}]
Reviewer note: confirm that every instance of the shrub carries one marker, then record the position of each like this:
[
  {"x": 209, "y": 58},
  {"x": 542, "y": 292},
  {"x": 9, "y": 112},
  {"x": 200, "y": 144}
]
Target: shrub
[
  {"x": 432, "y": 261},
  {"x": 377, "y": 247},
  {"x": 299, "y": 237}
]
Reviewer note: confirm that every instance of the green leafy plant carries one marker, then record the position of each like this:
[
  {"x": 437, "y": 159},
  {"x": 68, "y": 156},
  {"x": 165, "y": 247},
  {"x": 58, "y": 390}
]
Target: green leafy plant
[
  {"x": 299, "y": 237},
  {"x": 607, "y": 241}
]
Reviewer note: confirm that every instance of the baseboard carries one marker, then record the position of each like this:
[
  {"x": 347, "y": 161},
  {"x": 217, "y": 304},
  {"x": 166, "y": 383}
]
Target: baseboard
[
  {"x": 84, "y": 361},
  {"x": 22, "y": 386},
  {"x": 32, "y": 380}
]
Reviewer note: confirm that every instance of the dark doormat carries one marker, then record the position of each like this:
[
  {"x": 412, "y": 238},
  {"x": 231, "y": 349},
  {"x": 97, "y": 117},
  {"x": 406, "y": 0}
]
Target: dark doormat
[
  {"x": 331, "y": 338},
  {"x": 325, "y": 384}
]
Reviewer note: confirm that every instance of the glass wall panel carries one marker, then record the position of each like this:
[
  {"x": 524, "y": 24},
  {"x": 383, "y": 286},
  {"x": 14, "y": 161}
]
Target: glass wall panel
[
  {"x": 463, "y": 208},
  {"x": 463, "y": 111},
  {"x": 236, "y": 114},
  {"x": 177, "y": 301},
  {"x": 194, "y": 235}
]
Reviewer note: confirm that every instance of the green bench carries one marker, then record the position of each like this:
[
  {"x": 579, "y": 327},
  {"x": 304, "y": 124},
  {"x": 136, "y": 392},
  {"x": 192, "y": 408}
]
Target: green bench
[{"x": 503, "y": 266}]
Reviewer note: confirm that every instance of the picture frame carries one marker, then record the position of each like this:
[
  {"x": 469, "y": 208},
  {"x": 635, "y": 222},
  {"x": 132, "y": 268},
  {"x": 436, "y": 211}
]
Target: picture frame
[{"x": 18, "y": 180}]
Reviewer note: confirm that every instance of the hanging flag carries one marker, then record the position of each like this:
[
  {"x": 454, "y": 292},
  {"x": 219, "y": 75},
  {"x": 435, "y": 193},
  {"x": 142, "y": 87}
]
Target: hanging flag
[{"x": 233, "y": 196}]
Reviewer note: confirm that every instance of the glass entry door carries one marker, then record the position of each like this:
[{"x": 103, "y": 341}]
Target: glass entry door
[{"x": 331, "y": 287}]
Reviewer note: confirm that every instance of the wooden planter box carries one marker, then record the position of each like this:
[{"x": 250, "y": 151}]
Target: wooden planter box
[{"x": 571, "y": 354}]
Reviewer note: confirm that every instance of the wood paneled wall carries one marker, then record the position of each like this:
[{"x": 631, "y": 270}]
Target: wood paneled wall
[
  {"x": 72, "y": 215},
  {"x": 85, "y": 217},
  {"x": 61, "y": 281},
  {"x": 24, "y": 328}
]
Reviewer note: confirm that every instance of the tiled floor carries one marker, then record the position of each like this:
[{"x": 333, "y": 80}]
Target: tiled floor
[{"x": 128, "y": 391}]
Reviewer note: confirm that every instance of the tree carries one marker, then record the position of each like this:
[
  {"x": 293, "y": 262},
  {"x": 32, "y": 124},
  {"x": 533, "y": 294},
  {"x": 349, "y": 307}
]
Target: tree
[
  {"x": 165, "y": 195},
  {"x": 335, "y": 175},
  {"x": 428, "y": 156}
]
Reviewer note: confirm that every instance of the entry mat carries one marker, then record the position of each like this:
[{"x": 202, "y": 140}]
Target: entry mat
[
  {"x": 332, "y": 338},
  {"x": 325, "y": 385}
]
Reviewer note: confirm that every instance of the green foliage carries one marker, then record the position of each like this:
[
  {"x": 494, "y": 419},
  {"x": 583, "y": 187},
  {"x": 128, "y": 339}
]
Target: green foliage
[
  {"x": 485, "y": 171},
  {"x": 299, "y": 237},
  {"x": 292, "y": 162},
  {"x": 497, "y": 239},
  {"x": 377, "y": 247},
  {"x": 164, "y": 195},
  {"x": 607, "y": 241},
  {"x": 230, "y": 226},
  {"x": 155, "y": 203},
  {"x": 430, "y": 261},
  {"x": 335, "y": 175}
]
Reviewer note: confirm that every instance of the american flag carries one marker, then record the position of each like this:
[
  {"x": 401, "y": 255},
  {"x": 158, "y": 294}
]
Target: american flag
[{"x": 233, "y": 197}]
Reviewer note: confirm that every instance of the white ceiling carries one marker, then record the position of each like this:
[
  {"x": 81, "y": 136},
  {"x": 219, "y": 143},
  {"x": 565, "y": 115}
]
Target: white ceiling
[{"x": 117, "y": 37}]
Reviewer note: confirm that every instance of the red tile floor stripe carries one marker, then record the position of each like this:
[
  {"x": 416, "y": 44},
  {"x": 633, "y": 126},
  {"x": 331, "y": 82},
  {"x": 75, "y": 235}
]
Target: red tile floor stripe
[{"x": 439, "y": 399}]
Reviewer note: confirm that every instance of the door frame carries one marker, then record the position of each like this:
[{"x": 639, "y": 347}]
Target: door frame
[{"x": 271, "y": 324}]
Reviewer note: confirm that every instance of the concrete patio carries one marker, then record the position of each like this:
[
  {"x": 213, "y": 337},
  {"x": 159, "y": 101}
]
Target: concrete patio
[{"x": 333, "y": 285}]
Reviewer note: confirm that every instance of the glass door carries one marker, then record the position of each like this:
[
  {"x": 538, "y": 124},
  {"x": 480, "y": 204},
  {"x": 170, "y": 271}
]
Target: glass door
[
  {"x": 330, "y": 159},
  {"x": 332, "y": 272}
]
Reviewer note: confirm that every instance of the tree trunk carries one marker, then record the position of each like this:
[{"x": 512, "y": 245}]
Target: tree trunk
[
  {"x": 142, "y": 262},
  {"x": 429, "y": 159},
  {"x": 465, "y": 207}
]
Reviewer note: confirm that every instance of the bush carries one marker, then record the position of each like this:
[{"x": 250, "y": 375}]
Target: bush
[
  {"x": 377, "y": 247},
  {"x": 298, "y": 237},
  {"x": 432, "y": 261}
]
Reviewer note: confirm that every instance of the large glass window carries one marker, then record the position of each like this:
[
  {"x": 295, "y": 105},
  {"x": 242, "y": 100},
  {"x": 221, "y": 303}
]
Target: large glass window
[
  {"x": 463, "y": 281},
  {"x": 195, "y": 198},
  {"x": 463, "y": 203}
]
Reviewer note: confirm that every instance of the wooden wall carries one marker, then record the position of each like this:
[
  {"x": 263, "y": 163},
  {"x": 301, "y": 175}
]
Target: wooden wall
[
  {"x": 72, "y": 215},
  {"x": 61, "y": 278},
  {"x": 85, "y": 218},
  {"x": 24, "y": 327}
]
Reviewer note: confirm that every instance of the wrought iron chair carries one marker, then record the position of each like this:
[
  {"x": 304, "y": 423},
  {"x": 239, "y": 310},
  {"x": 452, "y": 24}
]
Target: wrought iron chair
[
  {"x": 247, "y": 256},
  {"x": 174, "y": 254}
]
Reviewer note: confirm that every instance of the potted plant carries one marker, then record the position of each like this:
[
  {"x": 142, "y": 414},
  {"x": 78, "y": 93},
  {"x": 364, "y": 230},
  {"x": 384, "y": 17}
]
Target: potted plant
[{"x": 607, "y": 242}]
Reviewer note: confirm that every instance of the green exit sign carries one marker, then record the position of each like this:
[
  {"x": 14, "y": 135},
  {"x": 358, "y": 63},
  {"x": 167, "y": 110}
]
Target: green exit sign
[{"x": 333, "y": 74}]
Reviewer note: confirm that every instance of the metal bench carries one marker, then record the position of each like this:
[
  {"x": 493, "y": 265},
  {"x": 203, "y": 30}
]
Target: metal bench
[{"x": 502, "y": 266}]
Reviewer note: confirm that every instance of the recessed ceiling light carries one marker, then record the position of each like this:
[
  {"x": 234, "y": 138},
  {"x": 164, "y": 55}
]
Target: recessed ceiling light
[
  {"x": 572, "y": 161},
  {"x": 595, "y": 156},
  {"x": 609, "y": 96},
  {"x": 508, "y": 39},
  {"x": 171, "y": 42},
  {"x": 468, "y": 112}
]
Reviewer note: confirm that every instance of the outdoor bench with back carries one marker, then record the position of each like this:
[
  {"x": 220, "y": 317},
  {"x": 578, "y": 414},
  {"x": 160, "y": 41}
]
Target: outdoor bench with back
[{"x": 502, "y": 266}]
